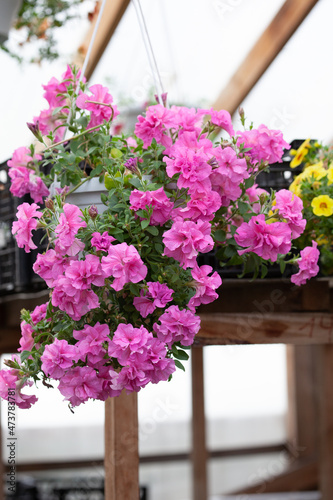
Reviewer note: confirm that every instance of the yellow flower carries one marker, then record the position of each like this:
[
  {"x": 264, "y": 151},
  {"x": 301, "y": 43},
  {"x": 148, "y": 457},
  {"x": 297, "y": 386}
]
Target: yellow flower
[
  {"x": 299, "y": 154},
  {"x": 322, "y": 205},
  {"x": 322, "y": 240},
  {"x": 317, "y": 171},
  {"x": 295, "y": 185}
]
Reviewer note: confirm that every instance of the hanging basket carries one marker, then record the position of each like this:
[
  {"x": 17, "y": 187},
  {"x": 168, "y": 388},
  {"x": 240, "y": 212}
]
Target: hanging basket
[{"x": 88, "y": 194}]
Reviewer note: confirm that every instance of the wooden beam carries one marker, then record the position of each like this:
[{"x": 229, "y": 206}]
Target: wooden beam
[
  {"x": 121, "y": 460},
  {"x": 263, "y": 53},
  {"x": 199, "y": 450},
  {"x": 259, "y": 328},
  {"x": 301, "y": 476},
  {"x": 325, "y": 423},
  {"x": 113, "y": 12},
  {"x": 302, "y": 415}
]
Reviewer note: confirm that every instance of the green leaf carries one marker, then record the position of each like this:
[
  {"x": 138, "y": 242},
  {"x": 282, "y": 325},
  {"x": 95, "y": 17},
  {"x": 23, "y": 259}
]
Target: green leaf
[
  {"x": 104, "y": 198},
  {"x": 182, "y": 355},
  {"x": 264, "y": 271},
  {"x": 179, "y": 353},
  {"x": 144, "y": 223},
  {"x": 282, "y": 266},
  {"x": 229, "y": 252},
  {"x": 243, "y": 207},
  {"x": 135, "y": 182},
  {"x": 219, "y": 235},
  {"x": 152, "y": 230},
  {"x": 135, "y": 289},
  {"x": 179, "y": 365},
  {"x": 249, "y": 182},
  {"x": 158, "y": 248},
  {"x": 24, "y": 355}
]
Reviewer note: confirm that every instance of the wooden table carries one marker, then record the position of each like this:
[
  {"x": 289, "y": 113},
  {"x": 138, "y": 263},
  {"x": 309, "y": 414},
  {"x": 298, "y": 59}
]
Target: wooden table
[{"x": 261, "y": 312}]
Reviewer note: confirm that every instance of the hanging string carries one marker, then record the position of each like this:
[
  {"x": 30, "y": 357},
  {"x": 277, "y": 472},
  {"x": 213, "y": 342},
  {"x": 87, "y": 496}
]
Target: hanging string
[
  {"x": 83, "y": 70},
  {"x": 92, "y": 40},
  {"x": 86, "y": 60},
  {"x": 149, "y": 50}
]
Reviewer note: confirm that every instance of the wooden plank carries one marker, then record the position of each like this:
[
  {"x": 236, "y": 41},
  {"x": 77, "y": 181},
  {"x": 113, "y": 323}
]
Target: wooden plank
[
  {"x": 113, "y": 12},
  {"x": 121, "y": 459},
  {"x": 301, "y": 476},
  {"x": 259, "y": 328},
  {"x": 263, "y": 53},
  {"x": 302, "y": 416},
  {"x": 270, "y": 296},
  {"x": 325, "y": 424},
  {"x": 199, "y": 450}
]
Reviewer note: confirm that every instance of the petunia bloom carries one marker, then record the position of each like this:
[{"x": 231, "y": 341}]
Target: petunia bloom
[
  {"x": 265, "y": 240},
  {"x": 124, "y": 263},
  {"x": 308, "y": 265},
  {"x": 26, "y": 223}
]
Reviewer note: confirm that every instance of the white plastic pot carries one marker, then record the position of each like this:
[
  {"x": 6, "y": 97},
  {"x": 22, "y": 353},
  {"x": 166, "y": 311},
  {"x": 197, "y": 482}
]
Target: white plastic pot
[{"x": 86, "y": 195}]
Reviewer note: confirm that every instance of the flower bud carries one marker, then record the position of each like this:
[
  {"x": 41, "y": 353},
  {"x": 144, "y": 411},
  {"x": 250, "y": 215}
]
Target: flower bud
[
  {"x": 34, "y": 128},
  {"x": 164, "y": 98},
  {"x": 213, "y": 162},
  {"x": 241, "y": 112},
  {"x": 49, "y": 204},
  {"x": 93, "y": 212},
  {"x": 132, "y": 165}
]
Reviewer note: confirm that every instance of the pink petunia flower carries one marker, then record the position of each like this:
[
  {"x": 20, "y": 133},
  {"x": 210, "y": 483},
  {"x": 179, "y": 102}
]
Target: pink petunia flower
[
  {"x": 188, "y": 119},
  {"x": 80, "y": 384},
  {"x": 84, "y": 273},
  {"x": 39, "y": 313},
  {"x": 74, "y": 302},
  {"x": 202, "y": 206},
  {"x": 99, "y": 112},
  {"x": 23, "y": 179},
  {"x": 157, "y": 295},
  {"x": 48, "y": 122},
  {"x": 90, "y": 344},
  {"x": 157, "y": 200},
  {"x": 102, "y": 242},
  {"x": 58, "y": 357},
  {"x": 290, "y": 207},
  {"x": 9, "y": 383},
  {"x": 26, "y": 340},
  {"x": 177, "y": 325},
  {"x": 205, "y": 286},
  {"x": 123, "y": 263},
  {"x": 128, "y": 340},
  {"x": 265, "y": 144},
  {"x": 26, "y": 223},
  {"x": 191, "y": 166},
  {"x": 50, "y": 266},
  {"x": 265, "y": 240},
  {"x": 154, "y": 125},
  {"x": 222, "y": 119},
  {"x": 70, "y": 221},
  {"x": 186, "y": 239},
  {"x": 308, "y": 265}
]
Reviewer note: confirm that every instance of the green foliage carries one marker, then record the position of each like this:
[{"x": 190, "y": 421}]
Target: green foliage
[{"x": 37, "y": 21}]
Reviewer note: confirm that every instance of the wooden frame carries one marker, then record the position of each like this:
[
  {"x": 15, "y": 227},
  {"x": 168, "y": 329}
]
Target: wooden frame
[{"x": 269, "y": 45}]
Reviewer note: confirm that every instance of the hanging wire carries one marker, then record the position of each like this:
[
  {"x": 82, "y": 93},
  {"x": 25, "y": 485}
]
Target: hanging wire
[
  {"x": 83, "y": 70},
  {"x": 149, "y": 50},
  {"x": 92, "y": 40}
]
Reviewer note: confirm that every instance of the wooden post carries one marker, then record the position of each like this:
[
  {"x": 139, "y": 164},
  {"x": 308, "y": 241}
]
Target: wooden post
[
  {"x": 121, "y": 460},
  {"x": 302, "y": 410},
  {"x": 325, "y": 423},
  {"x": 199, "y": 451}
]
